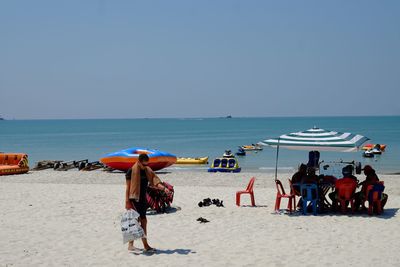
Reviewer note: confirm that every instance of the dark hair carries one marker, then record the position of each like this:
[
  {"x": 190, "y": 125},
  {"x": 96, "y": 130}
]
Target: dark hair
[
  {"x": 143, "y": 157},
  {"x": 311, "y": 170},
  {"x": 303, "y": 167},
  {"x": 368, "y": 170},
  {"x": 348, "y": 170}
]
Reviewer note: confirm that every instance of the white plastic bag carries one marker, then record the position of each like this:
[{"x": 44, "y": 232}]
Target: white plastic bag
[{"x": 130, "y": 227}]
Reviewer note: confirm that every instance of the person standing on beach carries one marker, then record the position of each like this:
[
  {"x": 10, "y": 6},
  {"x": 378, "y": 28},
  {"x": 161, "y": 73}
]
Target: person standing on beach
[{"x": 138, "y": 178}]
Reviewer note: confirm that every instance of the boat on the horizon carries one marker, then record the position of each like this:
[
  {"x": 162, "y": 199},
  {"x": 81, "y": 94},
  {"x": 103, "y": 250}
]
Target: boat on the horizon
[{"x": 252, "y": 147}]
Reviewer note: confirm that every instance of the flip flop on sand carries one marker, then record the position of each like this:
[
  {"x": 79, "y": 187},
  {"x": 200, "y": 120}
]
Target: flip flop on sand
[{"x": 203, "y": 220}]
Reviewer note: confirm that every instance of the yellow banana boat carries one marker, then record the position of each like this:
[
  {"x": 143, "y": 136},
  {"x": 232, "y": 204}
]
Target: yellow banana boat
[{"x": 192, "y": 160}]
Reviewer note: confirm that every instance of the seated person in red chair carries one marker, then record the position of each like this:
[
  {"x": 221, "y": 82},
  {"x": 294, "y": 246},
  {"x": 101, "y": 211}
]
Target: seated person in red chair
[
  {"x": 347, "y": 172},
  {"x": 370, "y": 179}
]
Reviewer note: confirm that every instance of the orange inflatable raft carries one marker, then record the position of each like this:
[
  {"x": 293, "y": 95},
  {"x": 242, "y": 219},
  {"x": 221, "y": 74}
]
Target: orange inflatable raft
[
  {"x": 13, "y": 163},
  {"x": 124, "y": 159}
]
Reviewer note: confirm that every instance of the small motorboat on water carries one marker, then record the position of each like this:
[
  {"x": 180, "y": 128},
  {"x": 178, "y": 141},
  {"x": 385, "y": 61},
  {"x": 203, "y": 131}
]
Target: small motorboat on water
[
  {"x": 252, "y": 147},
  {"x": 376, "y": 151},
  {"x": 381, "y": 147},
  {"x": 225, "y": 165},
  {"x": 228, "y": 154},
  {"x": 368, "y": 154},
  {"x": 240, "y": 152},
  {"x": 202, "y": 160}
]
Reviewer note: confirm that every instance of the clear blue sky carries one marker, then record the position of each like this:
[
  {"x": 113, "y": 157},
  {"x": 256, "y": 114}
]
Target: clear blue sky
[{"x": 129, "y": 59}]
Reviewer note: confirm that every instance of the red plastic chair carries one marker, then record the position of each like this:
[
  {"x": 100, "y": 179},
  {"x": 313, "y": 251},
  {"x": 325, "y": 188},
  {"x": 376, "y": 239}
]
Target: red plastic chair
[
  {"x": 249, "y": 190},
  {"x": 373, "y": 196},
  {"x": 281, "y": 194},
  {"x": 346, "y": 188}
]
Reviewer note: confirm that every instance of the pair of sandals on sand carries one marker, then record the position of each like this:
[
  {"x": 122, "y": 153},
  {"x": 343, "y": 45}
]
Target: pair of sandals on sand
[
  {"x": 202, "y": 220},
  {"x": 208, "y": 202}
]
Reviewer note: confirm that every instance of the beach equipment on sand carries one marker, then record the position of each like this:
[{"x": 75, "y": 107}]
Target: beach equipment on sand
[
  {"x": 309, "y": 193},
  {"x": 225, "y": 165},
  {"x": 346, "y": 188},
  {"x": 90, "y": 166},
  {"x": 13, "y": 163},
  {"x": 318, "y": 140},
  {"x": 374, "y": 197},
  {"x": 124, "y": 159},
  {"x": 280, "y": 193},
  {"x": 158, "y": 200},
  {"x": 248, "y": 190},
  {"x": 46, "y": 164},
  {"x": 203, "y": 160},
  {"x": 71, "y": 164}
]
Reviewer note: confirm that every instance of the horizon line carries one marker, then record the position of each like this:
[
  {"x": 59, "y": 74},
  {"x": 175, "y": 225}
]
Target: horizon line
[{"x": 207, "y": 117}]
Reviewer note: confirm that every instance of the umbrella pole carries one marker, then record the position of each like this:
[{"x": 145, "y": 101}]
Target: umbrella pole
[{"x": 276, "y": 160}]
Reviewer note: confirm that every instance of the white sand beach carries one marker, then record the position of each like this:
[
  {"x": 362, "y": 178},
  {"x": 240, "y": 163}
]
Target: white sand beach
[{"x": 73, "y": 219}]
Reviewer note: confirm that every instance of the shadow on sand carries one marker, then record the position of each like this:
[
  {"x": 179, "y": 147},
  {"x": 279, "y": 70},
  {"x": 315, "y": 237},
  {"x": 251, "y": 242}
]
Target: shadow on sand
[
  {"x": 175, "y": 251},
  {"x": 250, "y": 206},
  {"x": 387, "y": 214},
  {"x": 179, "y": 251},
  {"x": 168, "y": 211}
]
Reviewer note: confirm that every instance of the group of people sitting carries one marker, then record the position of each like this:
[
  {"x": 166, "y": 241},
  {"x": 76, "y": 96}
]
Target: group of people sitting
[{"x": 307, "y": 175}]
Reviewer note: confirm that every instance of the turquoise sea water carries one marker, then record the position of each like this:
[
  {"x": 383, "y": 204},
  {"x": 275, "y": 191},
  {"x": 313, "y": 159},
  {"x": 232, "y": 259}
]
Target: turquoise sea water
[{"x": 81, "y": 139}]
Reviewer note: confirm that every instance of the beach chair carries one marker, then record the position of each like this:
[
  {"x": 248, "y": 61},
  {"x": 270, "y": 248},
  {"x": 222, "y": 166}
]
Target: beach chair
[
  {"x": 217, "y": 162},
  {"x": 248, "y": 190},
  {"x": 224, "y": 163},
  {"x": 280, "y": 193},
  {"x": 309, "y": 193},
  {"x": 231, "y": 163},
  {"x": 346, "y": 188},
  {"x": 374, "y": 198}
]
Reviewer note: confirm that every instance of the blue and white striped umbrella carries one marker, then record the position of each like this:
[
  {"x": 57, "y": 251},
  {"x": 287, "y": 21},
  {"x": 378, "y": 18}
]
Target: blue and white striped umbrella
[{"x": 318, "y": 139}]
